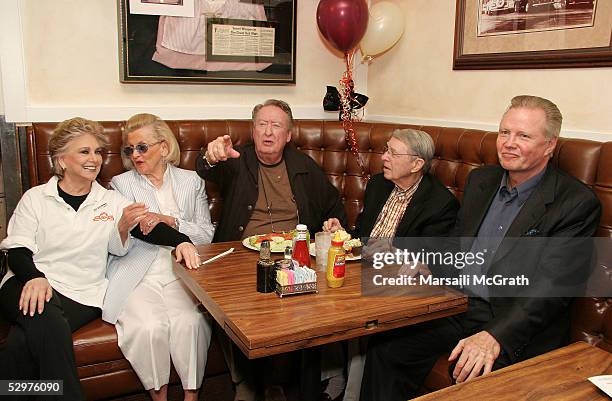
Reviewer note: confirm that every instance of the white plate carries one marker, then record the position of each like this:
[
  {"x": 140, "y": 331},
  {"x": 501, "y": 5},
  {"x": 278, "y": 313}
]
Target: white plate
[
  {"x": 247, "y": 244},
  {"x": 349, "y": 256}
]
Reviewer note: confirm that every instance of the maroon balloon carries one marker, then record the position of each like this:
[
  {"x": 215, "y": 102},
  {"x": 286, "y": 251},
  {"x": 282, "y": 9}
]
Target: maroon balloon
[{"x": 342, "y": 22}]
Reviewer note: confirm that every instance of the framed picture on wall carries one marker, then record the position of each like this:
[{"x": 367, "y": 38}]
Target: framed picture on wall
[
  {"x": 226, "y": 41},
  {"x": 176, "y": 8},
  {"x": 506, "y": 34}
]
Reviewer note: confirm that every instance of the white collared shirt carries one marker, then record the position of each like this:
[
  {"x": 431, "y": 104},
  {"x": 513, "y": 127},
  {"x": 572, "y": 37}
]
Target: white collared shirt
[
  {"x": 161, "y": 269},
  {"x": 70, "y": 247}
]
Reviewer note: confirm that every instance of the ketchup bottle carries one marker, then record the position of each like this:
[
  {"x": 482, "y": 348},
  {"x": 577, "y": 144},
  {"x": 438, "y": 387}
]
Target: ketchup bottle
[{"x": 300, "y": 245}]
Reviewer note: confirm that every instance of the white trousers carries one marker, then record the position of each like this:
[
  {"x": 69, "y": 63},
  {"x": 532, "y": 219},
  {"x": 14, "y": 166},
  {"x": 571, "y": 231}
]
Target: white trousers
[
  {"x": 357, "y": 348},
  {"x": 160, "y": 324}
]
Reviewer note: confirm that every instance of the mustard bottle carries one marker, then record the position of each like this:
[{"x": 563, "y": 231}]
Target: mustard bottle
[{"x": 336, "y": 262}]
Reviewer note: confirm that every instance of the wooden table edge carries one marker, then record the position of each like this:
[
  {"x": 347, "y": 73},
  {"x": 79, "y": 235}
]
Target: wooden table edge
[
  {"x": 574, "y": 348},
  {"x": 436, "y": 311}
]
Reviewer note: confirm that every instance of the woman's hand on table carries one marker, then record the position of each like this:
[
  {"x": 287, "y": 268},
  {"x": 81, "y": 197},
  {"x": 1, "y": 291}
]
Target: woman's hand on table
[
  {"x": 34, "y": 294},
  {"x": 188, "y": 253}
]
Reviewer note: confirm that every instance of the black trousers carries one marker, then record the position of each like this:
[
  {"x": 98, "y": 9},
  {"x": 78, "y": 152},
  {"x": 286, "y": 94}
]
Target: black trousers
[
  {"x": 40, "y": 346},
  {"x": 398, "y": 361}
]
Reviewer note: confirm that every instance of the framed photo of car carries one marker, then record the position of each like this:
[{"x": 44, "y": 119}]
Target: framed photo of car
[
  {"x": 508, "y": 34},
  {"x": 224, "y": 41}
]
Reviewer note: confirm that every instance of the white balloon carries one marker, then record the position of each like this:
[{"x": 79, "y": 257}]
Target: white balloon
[{"x": 385, "y": 28}]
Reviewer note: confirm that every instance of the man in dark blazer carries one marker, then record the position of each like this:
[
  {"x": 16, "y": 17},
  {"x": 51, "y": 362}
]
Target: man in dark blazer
[
  {"x": 524, "y": 198},
  {"x": 267, "y": 186},
  {"x": 405, "y": 200},
  {"x": 428, "y": 208}
]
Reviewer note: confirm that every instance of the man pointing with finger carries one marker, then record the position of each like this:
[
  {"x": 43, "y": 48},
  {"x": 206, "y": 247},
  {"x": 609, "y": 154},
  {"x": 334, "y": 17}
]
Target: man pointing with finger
[{"x": 266, "y": 185}]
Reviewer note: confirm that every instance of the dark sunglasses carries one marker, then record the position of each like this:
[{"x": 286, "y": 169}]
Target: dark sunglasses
[{"x": 140, "y": 148}]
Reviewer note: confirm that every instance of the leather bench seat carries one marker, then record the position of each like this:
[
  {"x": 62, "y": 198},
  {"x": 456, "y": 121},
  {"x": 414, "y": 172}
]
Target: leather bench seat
[
  {"x": 96, "y": 342},
  {"x": 97, "y": 351},
  {"x": 103, "y": 370}
]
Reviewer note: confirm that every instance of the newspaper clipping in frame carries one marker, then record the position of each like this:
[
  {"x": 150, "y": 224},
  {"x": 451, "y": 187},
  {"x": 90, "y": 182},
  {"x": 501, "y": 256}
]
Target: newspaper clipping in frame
[{"x": 233, "y": 39}]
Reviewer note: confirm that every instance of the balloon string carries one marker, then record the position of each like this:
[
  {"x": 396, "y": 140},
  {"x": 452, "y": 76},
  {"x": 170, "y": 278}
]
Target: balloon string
[{"x": 347, "y": 115}]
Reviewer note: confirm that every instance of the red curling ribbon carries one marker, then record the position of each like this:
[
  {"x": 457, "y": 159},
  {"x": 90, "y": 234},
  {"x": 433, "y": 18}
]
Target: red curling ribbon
[{"x": 348, "y": 115}]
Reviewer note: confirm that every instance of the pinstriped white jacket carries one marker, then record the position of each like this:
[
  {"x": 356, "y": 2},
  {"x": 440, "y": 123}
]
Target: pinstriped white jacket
[{"x": 124, "y": 273}]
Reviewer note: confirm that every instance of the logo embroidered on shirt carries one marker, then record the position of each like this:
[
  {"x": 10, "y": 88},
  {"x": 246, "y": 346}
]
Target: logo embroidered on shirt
[
  {"x": 104, "y": 217},
  {"x": 99, "y": 207}
]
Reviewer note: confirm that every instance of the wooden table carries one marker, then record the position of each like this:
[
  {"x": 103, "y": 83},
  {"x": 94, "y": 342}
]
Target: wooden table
[
  {"x": 559, "y": 375},
  {"x": 264, "y": 324}
]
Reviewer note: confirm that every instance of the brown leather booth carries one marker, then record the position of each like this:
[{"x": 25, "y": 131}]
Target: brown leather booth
[{"x": 106, "y": 374}]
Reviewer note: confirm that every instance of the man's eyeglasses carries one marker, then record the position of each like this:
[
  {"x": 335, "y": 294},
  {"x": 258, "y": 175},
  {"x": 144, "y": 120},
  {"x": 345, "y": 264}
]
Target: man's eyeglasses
[
  {"x": 140, "y": 148},
  {"x": 393, "y": 153}
]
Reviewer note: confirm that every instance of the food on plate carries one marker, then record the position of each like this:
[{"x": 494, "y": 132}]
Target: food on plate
[
  {"x": 344, "y": 236},
  {"x": 272, "y": 237},
  {"x": 278, "y": 241},
  {"x": 353, "y": 243},
  {"x": 353, "y": 246}
]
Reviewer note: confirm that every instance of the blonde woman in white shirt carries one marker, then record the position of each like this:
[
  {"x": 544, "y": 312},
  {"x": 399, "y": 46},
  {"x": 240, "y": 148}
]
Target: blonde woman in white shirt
[
  {"x": 157, "y": 319},
  {"x": 58, "y": 241}
]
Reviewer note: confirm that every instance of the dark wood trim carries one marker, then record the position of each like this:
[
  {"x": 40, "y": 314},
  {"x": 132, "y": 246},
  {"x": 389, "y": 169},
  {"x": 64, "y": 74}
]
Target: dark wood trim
[
  {"x": 11, "y": 165},
  {"x": 22, "y": 137}
]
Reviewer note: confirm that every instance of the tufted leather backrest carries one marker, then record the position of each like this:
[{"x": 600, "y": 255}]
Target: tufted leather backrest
[{"x": 457, "y": 152}]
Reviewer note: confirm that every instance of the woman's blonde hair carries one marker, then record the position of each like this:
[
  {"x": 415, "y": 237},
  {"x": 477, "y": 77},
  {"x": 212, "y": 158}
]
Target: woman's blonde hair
[
  {"x": 161, "y": 132},
  {"x": 66, "y": 132}
]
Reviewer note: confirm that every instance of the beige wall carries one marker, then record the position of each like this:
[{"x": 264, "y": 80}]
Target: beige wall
[
  {"x": 415, "y": 80},
  {"x": 71, "y": 58},
  {"x": 71, "y": 63},
  {"x": 1, "y": 97}
]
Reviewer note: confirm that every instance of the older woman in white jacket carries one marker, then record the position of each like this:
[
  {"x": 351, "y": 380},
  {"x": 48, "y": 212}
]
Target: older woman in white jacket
[
  {"x": 58, "y": 241},
  {"x": 156, "y": 317}
]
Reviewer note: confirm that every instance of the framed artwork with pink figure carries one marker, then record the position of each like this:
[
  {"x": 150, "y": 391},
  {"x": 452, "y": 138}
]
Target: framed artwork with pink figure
[{"x": 223, "y": 41}]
